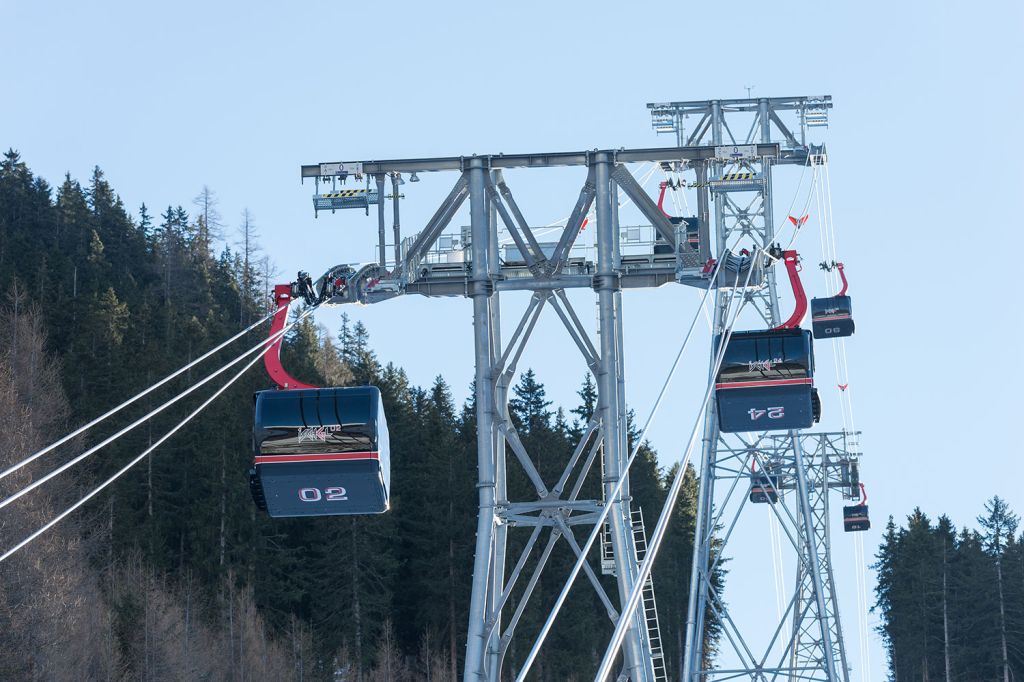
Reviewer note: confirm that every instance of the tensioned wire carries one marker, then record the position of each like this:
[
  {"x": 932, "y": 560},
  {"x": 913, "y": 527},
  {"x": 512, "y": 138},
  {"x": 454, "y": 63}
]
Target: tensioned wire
[
  {"x": 264, "y": 346},
  {"x": 72, "y": 462},
  {"x": 599, "y": 523},
  {"x": 774, "y": 531},
  {"x": 82, "y": 429},
  {"x": 829, "y": 249},
  {"x": 625, "y": 617}
]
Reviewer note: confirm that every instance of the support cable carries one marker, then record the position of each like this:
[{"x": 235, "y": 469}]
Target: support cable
[
  {"x": 811, "y": 191},
  {"x": 259, "y": 349},
  {"x": 6, "y": 555},
  {"x": 846, "y": 400},
  {"x": 112, "y": 412},
  {"x": 829, "y": 252},
  {"x": 599, "y": 522},
  {"x": 626, "y": 615},
  {"x": 775, "y": 538}
]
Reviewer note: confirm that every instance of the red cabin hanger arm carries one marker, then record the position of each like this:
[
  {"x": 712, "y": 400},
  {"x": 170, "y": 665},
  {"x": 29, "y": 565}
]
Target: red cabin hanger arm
[
  {"x": 792, "y": 261},
  {"x": 661, "y": 198},
  {"x": 272, "y": 356},
  {"x": 842, "y": 273}
]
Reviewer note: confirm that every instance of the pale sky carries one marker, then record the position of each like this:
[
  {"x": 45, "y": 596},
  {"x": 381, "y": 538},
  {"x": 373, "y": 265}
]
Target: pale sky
[{"x": 169, "y": 97}]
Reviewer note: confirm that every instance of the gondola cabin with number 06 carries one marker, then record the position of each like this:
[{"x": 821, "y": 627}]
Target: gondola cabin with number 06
[
  {"x": 321, "y": 452},
  {"x": 832, "y": 317}
]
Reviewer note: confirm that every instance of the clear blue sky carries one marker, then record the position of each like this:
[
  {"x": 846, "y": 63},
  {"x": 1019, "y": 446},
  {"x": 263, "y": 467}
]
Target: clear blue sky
[{"x": 168, "y": 97}]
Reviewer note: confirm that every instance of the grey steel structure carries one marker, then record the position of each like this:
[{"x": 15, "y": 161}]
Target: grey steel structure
[
  {"x": 807, "y": 643},
  {"x": 480, "y": 273}
]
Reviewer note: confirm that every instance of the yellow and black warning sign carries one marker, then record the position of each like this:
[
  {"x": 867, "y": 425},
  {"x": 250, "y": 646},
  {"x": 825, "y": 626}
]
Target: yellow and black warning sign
[
  {"x": 736, "y": 177},
  {"x": 344, "y": 194}
]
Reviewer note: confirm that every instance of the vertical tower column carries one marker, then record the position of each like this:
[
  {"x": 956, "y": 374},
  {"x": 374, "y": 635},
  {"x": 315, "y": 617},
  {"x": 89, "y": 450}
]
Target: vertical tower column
[
  {"x": 500, "y": 394},
  {"x": 693, "y": 656},
  {"x": 611, "y": 407},
  {"x": 381, "y": 239},
  {"x": 811, "y": 547},
  {"x": 481, "y": 291},
  {"x": 396, "y": 227}
]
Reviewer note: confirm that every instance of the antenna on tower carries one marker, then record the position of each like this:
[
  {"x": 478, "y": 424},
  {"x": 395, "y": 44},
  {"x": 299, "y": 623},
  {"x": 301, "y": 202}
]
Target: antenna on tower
[{"x": 748, "y": 88}]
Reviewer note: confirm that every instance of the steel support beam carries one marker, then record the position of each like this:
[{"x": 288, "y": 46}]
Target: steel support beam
[
  {"x": 541, "y": 160},
  {"x": 381, "y": 255},
  {"x": 812, "y": 549},
  {"x": 396, "y": 227},
  {"x": 625, "y": 180},
  {"x": 611, "y": 408},
  {"x": 501, "y": 386},
  {"x": 481, "y": 294},
  {"x": 435, "y": 226}
]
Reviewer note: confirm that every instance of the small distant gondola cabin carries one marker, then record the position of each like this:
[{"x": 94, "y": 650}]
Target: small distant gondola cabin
[
  {"x": 855, "y": 518},
  {"x": 832, "y": 317},
  {"x": 764, "y": 488}
]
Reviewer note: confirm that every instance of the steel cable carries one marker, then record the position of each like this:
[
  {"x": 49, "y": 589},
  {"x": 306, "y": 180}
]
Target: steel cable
[
  {"x": 598, "y": 524},
  {"x": 258, "y": 348},
  {"x": 625, "y": 617},
  {"x": 6, "y": 555},
  {"x": 82, "y": 429}
]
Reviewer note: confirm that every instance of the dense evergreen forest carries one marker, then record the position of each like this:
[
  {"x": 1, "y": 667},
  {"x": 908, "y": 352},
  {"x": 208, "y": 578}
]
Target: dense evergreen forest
[
  {"x": 952, "y": 603},
  {"x": 171, "y": 573}
]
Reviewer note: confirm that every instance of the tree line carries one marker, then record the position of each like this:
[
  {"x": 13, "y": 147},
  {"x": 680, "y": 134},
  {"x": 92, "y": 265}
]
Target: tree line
[
  {"x": 952, "y": 601},
  {"x": 171, "y": 573}
]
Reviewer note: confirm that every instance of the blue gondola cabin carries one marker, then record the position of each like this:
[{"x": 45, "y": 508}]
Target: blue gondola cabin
[
  {"x": 855, "y": 518},
  {"x": 764, "y": 488},
  {"x": 321, "y": 452},
  {"x": 766, "y": 382},
  {"x": 832, "y": 317}
]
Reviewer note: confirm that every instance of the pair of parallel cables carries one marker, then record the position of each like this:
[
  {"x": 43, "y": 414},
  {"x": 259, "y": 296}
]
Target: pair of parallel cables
[{"x": 253, "y": 354}]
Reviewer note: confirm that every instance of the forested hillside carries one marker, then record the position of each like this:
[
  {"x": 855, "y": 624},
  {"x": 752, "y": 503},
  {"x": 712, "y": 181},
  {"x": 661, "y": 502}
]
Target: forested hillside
[
  {"x": 952, "y": 603},
  {"x": 171, "y": 573}
]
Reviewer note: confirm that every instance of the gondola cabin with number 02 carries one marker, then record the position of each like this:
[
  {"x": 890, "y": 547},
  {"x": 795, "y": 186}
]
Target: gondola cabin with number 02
[
  {"x": 321, "y": 452},
  {"x": 766, "y": 382}
]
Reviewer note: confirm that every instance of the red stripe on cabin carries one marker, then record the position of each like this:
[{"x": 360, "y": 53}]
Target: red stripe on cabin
[
  {"x": 831, "y": 317},
  {"x": 322, "y": 457},
  {"x": 766, "y": 382}
]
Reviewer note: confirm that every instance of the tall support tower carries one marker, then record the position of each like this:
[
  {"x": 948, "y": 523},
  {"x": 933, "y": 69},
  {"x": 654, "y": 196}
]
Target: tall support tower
[
  {"x": 807, "y": 643},
  {"x": 476, "y": 265}
]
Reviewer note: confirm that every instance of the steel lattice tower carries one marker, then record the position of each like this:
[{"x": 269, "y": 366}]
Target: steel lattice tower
[
  {"x": 477, "y": 270},
  {"x": 806, "y": 465},
  {"x": 734, "y": 178}
]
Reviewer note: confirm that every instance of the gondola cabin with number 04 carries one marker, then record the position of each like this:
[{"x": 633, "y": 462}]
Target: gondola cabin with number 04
[{"x": 321, "y": 452}]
